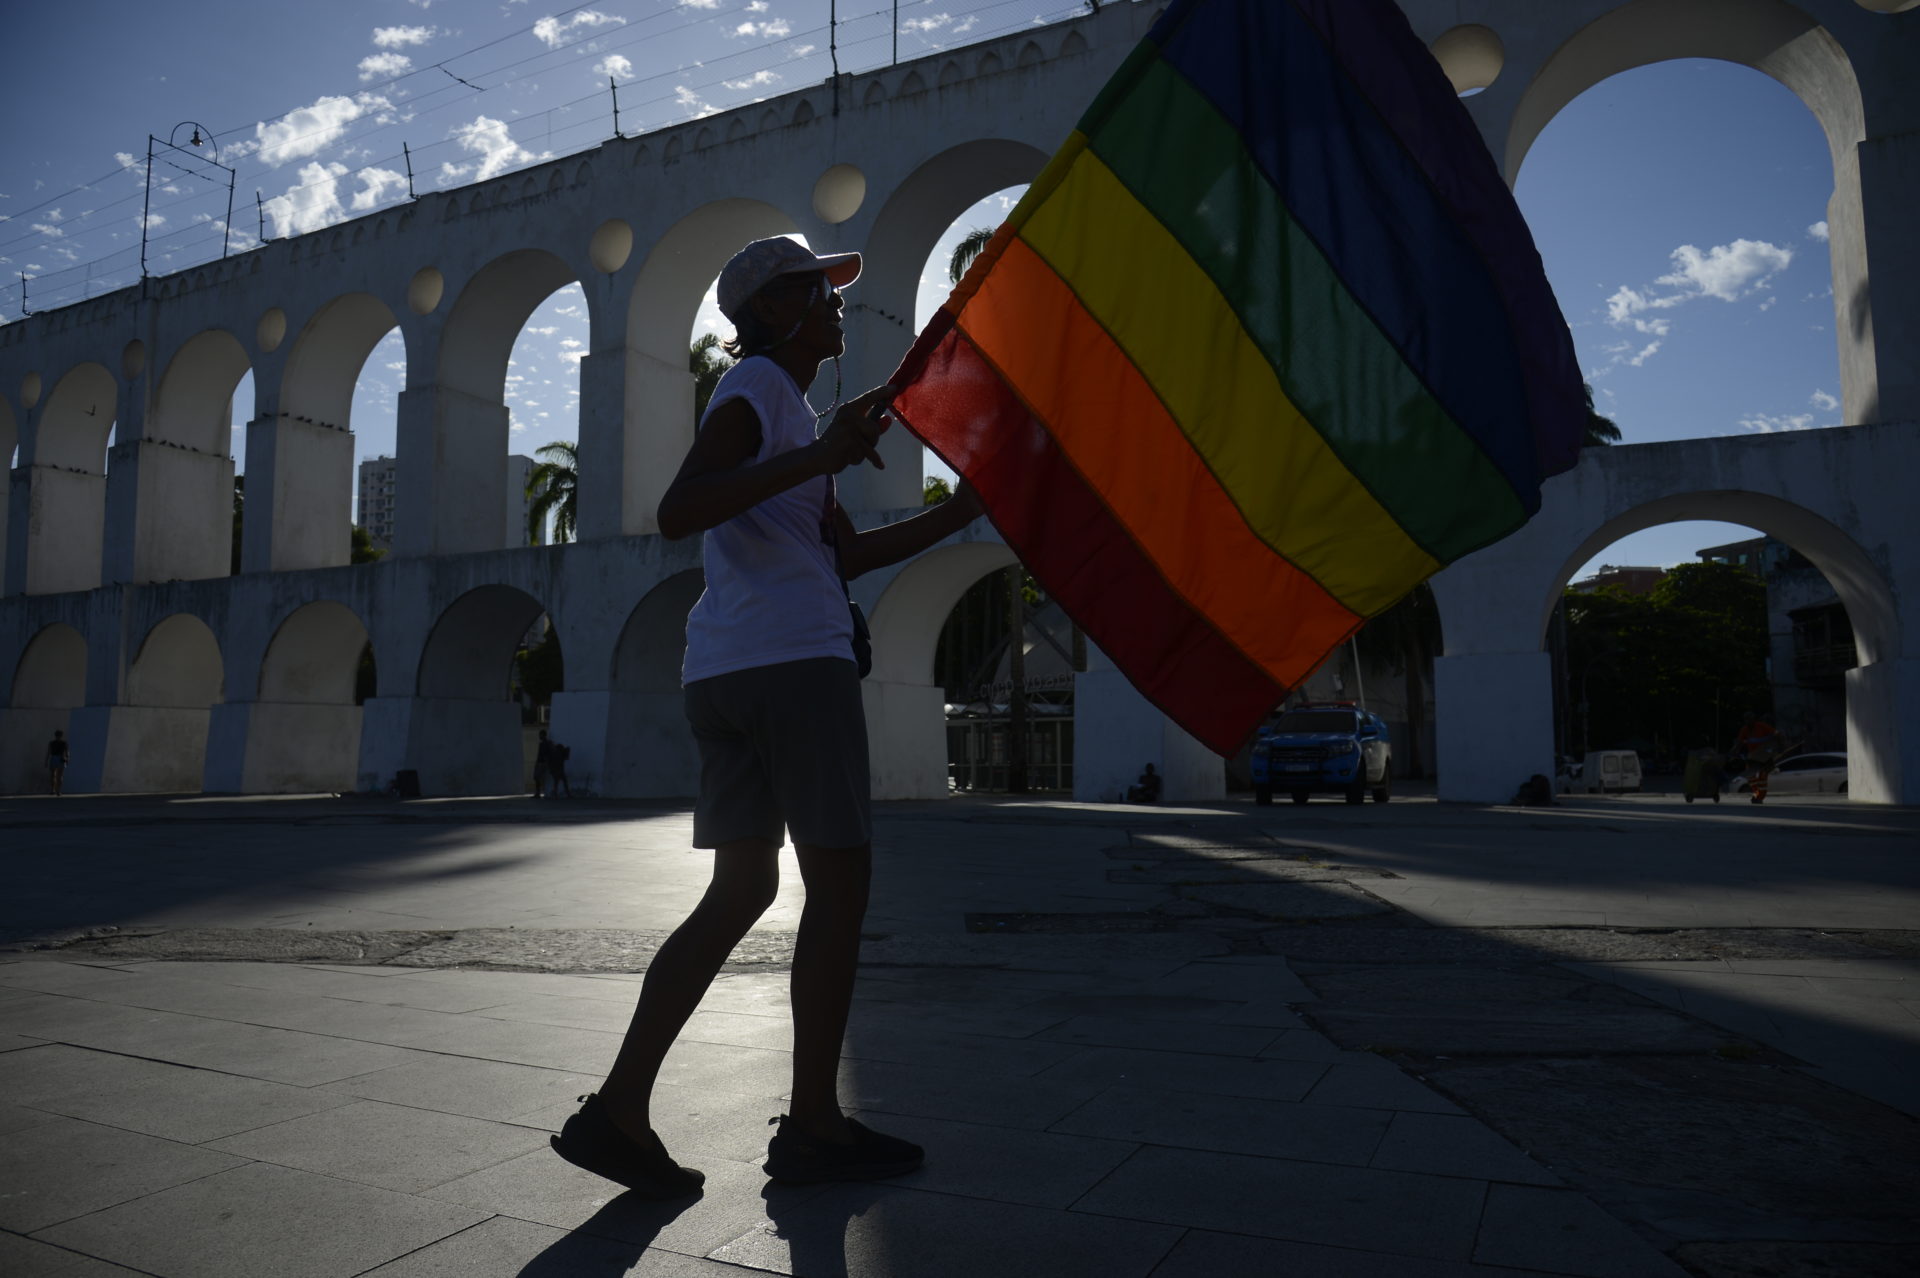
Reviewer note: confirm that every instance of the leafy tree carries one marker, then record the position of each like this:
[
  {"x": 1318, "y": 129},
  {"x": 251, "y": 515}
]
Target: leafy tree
[
  {"x": 966, "y": 250},
  {"x": 539, "y": 670},
  {"x": 1671, "y": 670},
  {"x": 553, "y": 484},
  {"x": 936, "y": 491},
  {"x": 1600, "y": 430},
  {"x": 363, "y": 551},
  {"x": 706, "y": 361}
]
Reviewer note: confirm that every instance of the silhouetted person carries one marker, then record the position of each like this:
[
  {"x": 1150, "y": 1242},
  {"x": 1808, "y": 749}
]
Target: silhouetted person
[
  {"x": 773, "y": 696},
  {"x": 1146, "y": 789},
  {"x": 57, "y": 761},
  {"x": 561, "y": 753},
  {"x": 542, "y": 765}
]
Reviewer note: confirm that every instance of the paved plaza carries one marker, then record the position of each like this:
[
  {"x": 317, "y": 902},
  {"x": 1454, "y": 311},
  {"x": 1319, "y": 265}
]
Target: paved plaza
[{"x": 331, "y": 1036}]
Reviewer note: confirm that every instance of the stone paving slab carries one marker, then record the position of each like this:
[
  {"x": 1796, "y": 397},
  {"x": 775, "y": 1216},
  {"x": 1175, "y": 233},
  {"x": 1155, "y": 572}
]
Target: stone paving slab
[
  {"x": 1565, "y": 1233},
  {"x": 25, "y": 1258},
  {"x": 876, "y": 1231},
  {"x": 496, "y": 1090},
  {"x": 1202, "y": 1254},
  {"x": 260, "y": 1219},
  {"x": 387, "y": 1146},
  {"x": 1394, "y": 1212},
  {"x": 1232, "y": 1125},
  {"x": 61, "y": 1168},
  {"x": 503, "y": 1247},
  {"x": 156, "y": 1098}
]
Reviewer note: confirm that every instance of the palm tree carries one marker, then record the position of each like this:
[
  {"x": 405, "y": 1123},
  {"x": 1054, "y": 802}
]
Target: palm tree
[
  {"x": 1600, "y": 430},
  {"x": 554, "y": 485},
  {"x": 706, "y": 361},
  {"x": 966, "y": 250}
]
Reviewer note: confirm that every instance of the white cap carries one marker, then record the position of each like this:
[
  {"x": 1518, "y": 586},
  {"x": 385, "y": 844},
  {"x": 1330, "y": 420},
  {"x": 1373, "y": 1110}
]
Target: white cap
[{"x": 763, "y": 261}]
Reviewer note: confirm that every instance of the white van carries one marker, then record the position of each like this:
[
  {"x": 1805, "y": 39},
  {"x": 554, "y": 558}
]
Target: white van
[{"x": 1610, "y": 772}]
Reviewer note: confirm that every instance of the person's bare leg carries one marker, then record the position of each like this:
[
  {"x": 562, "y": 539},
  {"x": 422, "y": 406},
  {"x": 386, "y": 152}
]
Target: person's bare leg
[
  {"x": 826, "y": 956},
  {"x": 746, "y": 875}
]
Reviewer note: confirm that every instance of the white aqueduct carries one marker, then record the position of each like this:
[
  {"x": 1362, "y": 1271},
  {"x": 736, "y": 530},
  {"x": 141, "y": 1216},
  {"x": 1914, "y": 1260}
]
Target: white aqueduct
[{"x": 121, "y": 624}]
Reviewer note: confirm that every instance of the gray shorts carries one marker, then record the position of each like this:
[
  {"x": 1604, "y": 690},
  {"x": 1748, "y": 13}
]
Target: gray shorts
[{"x": 783, "y": 749}]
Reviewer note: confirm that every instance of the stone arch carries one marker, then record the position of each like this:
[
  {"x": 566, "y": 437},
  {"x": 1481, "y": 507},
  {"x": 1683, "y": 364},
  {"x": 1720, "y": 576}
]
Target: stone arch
[
  {"x": 1779, "y": 40},
  {"x": 310, "y": 516},
  {"x": 49, "y": 683},
  {"x": 951, "y": 73},
  {"x": 193, "y": 405},
  {"x": 469, "y": 464},
  {"x": 9, "y": 442},
  {"x": 682, "y": 263},
  {"x": 1074, "y": 43},
  {"x": 906, "y": 716},
  {"x": 1863, "y": 589},
  {"x": 468, "y": 736},
  {"x": 314, "y": 656},
  {"x": 736, "y": 129},
  {"x": 1030, "y": 54},
  {"x": 912, "y": 84},
  {"x": 649, "y": 752},
  {"x": 803, "y": 114},
  {"x": 917, "y": 212},
  {"x": 65, "y": 456},
  {"x": 876, "y": 94},
  {"x": 769, "y": 120},
  {"x": 302, "y": 730},
  {"x": 158, "y": 739},
  {"x": 989, "y": 64}
]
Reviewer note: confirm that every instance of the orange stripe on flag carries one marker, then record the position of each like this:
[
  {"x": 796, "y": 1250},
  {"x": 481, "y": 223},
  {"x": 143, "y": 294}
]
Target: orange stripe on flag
[{"x": 1110, "y": 425}]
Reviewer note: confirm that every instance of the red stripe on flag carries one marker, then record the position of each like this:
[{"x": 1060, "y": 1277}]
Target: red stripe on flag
[{"x": 1074, "y": 544}]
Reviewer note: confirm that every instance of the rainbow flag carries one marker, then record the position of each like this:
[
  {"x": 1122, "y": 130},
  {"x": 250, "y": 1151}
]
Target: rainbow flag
[{"x": 1265, "y": 345}]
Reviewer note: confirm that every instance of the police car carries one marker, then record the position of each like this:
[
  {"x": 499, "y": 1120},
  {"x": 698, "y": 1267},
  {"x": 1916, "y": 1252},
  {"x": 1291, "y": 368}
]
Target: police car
[{"x": 1327, "y": 747}]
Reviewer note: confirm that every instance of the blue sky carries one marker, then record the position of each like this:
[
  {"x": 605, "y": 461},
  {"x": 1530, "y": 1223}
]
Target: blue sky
[{"x": 1678, "y": 207}]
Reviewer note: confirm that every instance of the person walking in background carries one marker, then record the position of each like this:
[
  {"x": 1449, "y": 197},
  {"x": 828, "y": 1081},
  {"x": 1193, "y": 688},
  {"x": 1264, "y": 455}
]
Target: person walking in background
[
  {"x": 542, "y": 765},
  {"x": 772, "y": 686},
  {"x": 557, "y": 765},
  {"x": 57, "y": 761}
]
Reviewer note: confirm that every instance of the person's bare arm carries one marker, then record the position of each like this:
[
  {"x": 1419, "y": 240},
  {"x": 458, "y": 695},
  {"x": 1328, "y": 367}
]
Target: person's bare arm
[
  {"x": 864, "y": 551},
  {"x": 715, "y": 483}
]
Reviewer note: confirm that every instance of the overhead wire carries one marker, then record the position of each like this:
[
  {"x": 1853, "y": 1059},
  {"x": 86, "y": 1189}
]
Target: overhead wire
[{"x": 593, "y": 45}]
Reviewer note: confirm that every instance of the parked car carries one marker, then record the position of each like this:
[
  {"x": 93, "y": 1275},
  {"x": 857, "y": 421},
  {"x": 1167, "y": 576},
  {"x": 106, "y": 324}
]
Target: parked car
[
  {"x": 1815, "y": 772},
  {"x": 1610, "y": 772},
  {"x": 1326, "y": 747}
]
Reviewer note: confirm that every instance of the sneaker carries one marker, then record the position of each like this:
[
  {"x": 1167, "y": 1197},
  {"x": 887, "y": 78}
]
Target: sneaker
[
  {"x": 589, "y": 1140},
  {"x": 795, "y": 1159}
]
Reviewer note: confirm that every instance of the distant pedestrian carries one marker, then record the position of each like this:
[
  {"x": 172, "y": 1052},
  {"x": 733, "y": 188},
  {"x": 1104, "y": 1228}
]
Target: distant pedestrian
[
  {"x": 542, "y": 765},
  {"x": 57, "y": 760},
  {"x": 1146, "y": 789},
  {"x": 561, "y": 753}
]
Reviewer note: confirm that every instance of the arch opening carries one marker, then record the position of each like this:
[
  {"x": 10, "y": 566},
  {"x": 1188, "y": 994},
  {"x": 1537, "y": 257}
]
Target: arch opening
[
  {"x": 481, "y": 501},
  {"x": 158, "y": 739},
  {"x": 649, "y": 753},
  {"x": 303, "y": 730},
  {"x": 49, "y": 683},
  {"x": 487, "y": 675},
  {"x": 66, "y": 486}
]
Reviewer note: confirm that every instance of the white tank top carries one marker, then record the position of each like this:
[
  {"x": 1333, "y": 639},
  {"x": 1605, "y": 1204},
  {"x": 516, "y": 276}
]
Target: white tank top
[{"x": 773, "y": 591}]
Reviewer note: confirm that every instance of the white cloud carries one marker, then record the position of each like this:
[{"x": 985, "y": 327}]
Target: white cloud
[
  {"x": 690, "y": 102},
  {"x": 1818, "y": 231},
  {"x": 1770, "y": 424},
  {"x": 1727, "y": 271},
  {"x": 966, "y": 24},
  {"x": 773, "y": 29},
  {"x": 378, "y": 183},
  {"x": 48, "y": 229},
  {"x": 922, "y": 26},
  {"x": 702, "y": 4},
  {"x": 554, "y": 32},
  {"x": 802, "y": 51},
  {"x": 1824, "y": 402},
  {"x": 314, "y": 203},
  {"x": 758, "y": 6},
  {"x": 754, "y": 81},
  {"x": 615, "y": 67},
  {"x": 402, "y": 37},
  {"x": 384, "y": 66},
  {"x": 309, "y": 130},
  {"x": 490, "y": 140}
]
